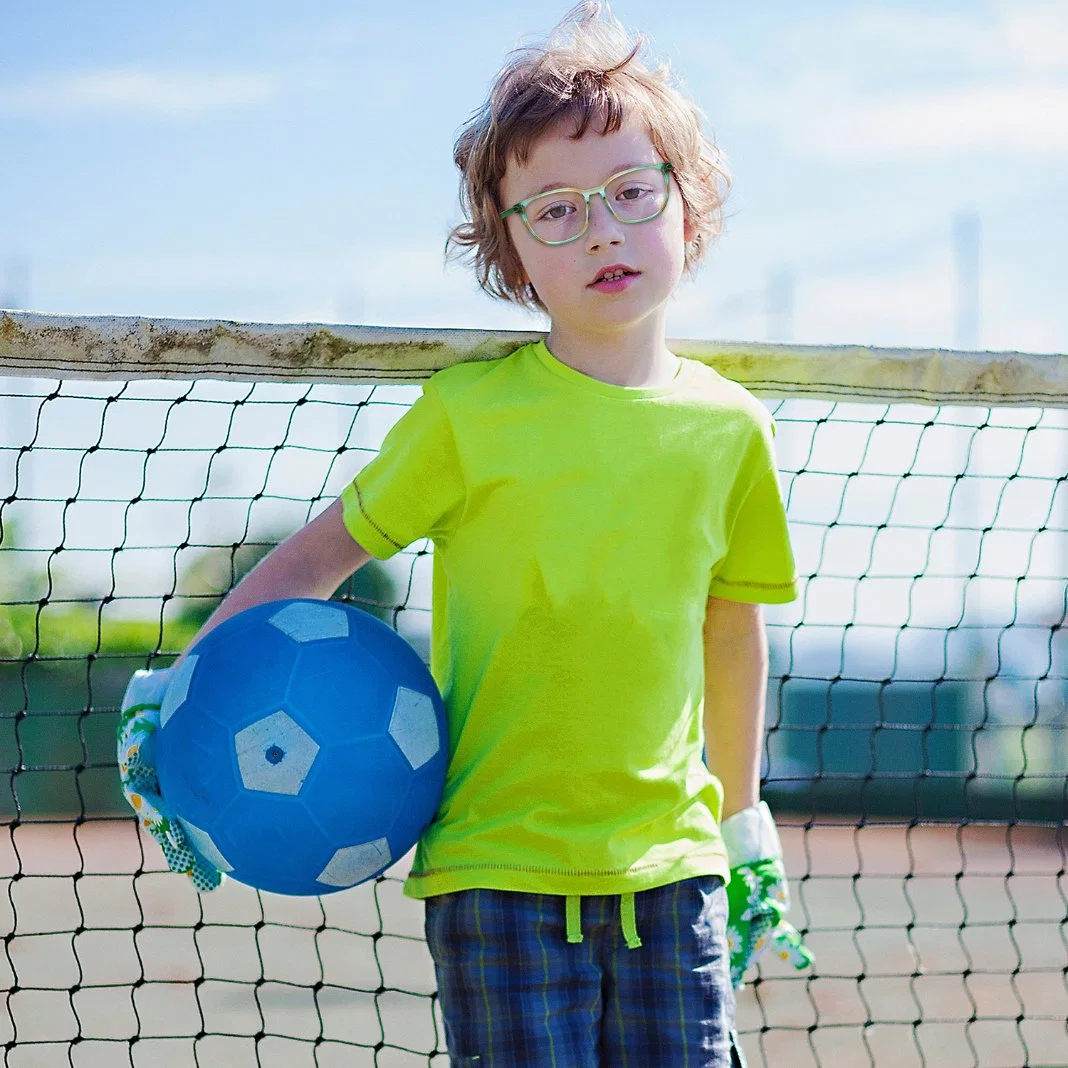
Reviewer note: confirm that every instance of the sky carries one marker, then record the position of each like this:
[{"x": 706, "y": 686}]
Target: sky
[
  {"x": 281, "y": 162},
  {"x": 284, "y": 162}
]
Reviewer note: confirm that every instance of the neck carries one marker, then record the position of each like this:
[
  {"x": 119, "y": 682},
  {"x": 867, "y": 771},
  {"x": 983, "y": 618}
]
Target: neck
[{"x": 635, "y": 356}]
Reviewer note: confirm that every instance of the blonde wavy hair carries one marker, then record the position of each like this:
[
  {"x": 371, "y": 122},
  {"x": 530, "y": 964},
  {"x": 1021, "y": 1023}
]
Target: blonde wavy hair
[{"x": 588, "y": 71}]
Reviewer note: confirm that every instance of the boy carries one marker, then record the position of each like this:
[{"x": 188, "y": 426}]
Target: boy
[{"x": 606, "y": 520}]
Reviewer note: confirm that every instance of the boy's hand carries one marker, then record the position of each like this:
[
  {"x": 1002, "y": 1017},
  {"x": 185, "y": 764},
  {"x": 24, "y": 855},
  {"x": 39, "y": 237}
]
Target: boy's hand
[
  {"x": 757, "y": 895},
  {"x": 138, "y": 723}
]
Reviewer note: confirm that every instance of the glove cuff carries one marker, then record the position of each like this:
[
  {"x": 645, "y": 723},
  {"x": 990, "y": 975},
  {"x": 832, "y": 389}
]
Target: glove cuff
[
  {"x": 751, "y": 835},
  {"x": 147, "y": 688}
]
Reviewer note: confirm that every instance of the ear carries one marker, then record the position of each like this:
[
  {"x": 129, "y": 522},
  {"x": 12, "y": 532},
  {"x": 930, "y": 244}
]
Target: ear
[{"x": 689, "y": 230}]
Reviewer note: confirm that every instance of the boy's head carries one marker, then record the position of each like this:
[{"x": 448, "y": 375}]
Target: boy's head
[{"x": 587, "y": 79}]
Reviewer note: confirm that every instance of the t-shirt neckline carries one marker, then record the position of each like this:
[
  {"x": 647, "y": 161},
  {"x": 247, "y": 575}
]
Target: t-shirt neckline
[{"x": 595, "y": 385}]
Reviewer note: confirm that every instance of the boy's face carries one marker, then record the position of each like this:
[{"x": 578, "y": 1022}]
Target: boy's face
[{"x": 566, "y": 276}]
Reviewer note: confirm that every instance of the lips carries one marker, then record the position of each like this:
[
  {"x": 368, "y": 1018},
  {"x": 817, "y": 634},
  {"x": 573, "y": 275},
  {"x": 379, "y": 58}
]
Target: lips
[{"x": 613, "y": 272}]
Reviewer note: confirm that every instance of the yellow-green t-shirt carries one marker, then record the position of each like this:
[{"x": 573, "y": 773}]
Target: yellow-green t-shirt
[{"x": 579, "y": 529}]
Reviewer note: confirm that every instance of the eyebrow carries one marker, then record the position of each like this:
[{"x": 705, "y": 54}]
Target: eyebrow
[{"x": 550, "y": 186}]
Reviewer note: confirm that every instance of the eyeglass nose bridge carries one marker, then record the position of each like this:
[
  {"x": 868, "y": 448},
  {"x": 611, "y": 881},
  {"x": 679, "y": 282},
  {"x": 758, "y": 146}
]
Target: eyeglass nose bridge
[{"x": 587, "y": 196}]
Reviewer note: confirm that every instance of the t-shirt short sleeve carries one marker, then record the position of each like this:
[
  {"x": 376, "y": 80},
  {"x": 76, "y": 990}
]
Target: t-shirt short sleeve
[
  {"x": 759, "y": 562},
  {"x": 413, "y": 488}
]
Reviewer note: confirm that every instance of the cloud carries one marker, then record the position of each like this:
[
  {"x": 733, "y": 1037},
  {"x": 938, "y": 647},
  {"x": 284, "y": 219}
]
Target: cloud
[
  {"x": 1029, "y": 119},
  {"x": 907, "y": 304},
  {"x": 1022, "y": 38},
  {"x": 900, "y": 304},
  {"x": 131, "y": 91},
  {"x": 914, "y": 305},
  {"x": 881, "y": 83},
  {"x": 395, "y": 282}
]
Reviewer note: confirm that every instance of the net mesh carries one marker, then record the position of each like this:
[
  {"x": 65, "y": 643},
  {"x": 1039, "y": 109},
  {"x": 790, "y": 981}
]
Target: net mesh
[{"x": 915, "y": 753}]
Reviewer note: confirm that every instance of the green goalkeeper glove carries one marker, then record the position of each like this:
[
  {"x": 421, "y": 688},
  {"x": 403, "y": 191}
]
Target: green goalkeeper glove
[
  {"x": 138, "y": 724},
  {"x": 757, "y": 895}
]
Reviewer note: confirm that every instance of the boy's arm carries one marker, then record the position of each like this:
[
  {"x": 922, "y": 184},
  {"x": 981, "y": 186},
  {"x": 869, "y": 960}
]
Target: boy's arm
[
  {"x": 312, "y": 562},
  {"x": 736, "y": 679}
]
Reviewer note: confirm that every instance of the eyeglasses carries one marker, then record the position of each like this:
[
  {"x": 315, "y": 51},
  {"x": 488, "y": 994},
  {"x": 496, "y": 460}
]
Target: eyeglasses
[{"x": 635, "y": 195}]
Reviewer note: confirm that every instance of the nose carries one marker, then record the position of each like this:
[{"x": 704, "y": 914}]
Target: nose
[{"x": 604, "y": 228}]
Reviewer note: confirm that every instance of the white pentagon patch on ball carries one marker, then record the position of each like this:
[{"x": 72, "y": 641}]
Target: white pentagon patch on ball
[
  {"x": 275, "y": 754},
  {"x": 177, "y": 689},
  {"x": 352, "y": 864},
  {"x": 414, "y": 726},
  {"x": 202, "y": 843},
  {"x": 311, "y": 622}
]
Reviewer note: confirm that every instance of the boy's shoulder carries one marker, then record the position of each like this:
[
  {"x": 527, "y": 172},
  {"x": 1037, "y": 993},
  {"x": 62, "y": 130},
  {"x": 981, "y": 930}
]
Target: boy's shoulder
[
  {"x": 458, "y": 378},
  {"x": 709, "y": 388}
]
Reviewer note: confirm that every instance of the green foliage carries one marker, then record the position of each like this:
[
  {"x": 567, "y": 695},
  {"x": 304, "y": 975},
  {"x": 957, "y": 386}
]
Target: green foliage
[
  {"x": 84, "y": 629},
  {"x": 33, "y": 626},
  {"x": 65, "y": 659}
]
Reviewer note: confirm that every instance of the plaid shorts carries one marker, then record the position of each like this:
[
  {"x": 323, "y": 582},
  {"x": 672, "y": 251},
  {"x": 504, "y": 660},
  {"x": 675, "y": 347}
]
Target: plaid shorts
[{"x": 648, "y": 985}]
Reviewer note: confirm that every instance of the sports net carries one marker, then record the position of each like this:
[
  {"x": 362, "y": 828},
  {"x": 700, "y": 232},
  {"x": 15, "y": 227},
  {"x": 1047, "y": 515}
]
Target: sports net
[{"x": 917, "y": 733}]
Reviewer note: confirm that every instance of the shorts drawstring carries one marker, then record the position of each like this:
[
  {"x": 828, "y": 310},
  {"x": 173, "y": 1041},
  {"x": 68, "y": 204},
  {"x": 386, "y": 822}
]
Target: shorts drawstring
[
  {"x": 573, "y": 910},
  {"x": 574, "y": 917},
  {"x": 628, "y": 922}
]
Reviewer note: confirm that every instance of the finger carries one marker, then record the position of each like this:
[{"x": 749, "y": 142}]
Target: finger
[
  {"x": 135, "y": 743},
  {"x": 789, "y": 946},
  {"x": 180, "y": 858},
  {"x": 747, "y": 940},
  {"x": 205, "y": 877}
]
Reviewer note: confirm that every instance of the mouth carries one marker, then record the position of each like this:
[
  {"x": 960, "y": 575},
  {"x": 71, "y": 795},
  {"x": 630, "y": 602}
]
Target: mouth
[{"x": 615, "y": 273}]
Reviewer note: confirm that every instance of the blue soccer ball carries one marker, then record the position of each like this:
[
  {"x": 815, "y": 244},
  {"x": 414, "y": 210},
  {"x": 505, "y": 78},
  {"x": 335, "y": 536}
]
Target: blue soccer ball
[{"x": 302, "y": 746}]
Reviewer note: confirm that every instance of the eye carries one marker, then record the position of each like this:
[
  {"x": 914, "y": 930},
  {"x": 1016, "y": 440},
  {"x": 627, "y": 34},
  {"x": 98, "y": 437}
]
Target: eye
[
  {"x": 554, "y": 212},
  {"x": 633, "y": 191}
]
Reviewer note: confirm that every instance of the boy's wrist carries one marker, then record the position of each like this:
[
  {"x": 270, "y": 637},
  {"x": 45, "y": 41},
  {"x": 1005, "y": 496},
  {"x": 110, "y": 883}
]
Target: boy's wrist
[{"x": 750, "y": 835}]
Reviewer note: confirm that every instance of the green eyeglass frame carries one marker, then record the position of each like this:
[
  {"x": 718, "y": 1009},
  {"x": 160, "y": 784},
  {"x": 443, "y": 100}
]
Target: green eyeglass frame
[{"x": 520, "y": 208}]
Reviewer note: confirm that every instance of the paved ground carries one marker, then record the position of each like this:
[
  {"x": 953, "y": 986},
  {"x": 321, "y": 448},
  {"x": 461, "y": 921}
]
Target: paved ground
[{"x": 935, "y": 946}]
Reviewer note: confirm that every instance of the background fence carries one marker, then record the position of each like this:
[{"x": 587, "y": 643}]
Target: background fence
[{"x": 917, "y": 731}]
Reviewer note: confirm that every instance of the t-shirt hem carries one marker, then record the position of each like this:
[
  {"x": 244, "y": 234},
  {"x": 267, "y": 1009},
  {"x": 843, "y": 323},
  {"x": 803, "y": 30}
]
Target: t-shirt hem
[
  {"x": 363, "y": 528},
  {"x": 755, "y": 592},
  {"x": 531, "y": 880}
]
